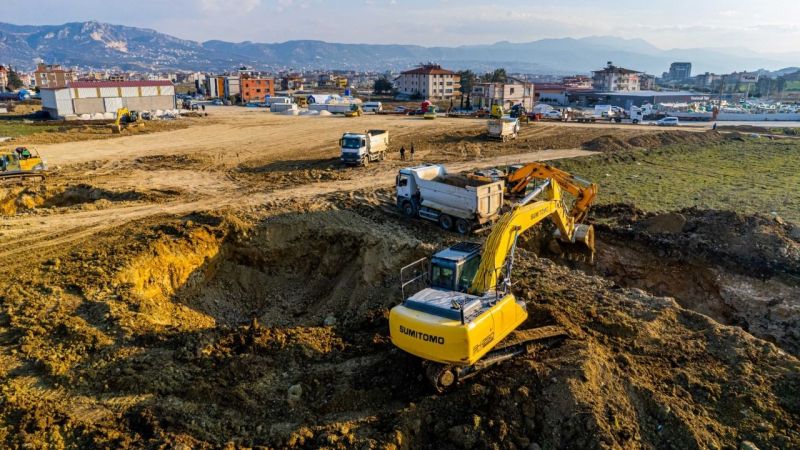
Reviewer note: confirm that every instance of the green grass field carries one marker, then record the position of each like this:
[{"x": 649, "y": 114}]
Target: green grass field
[
  {"x": 18, "y": 127},
  {"x": 754, "y": 176}
]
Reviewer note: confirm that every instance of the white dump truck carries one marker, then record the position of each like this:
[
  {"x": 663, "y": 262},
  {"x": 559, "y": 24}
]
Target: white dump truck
[
  {"x": 503, "y": 129},
  {"x": 456, "y": 202},
  {"x": 364, "y": 148}
]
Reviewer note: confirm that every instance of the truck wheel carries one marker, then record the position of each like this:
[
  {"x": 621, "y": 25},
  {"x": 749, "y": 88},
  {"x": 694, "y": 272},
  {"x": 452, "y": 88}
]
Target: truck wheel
[
  {"x": 382, "y": 156},
  {"x": 408, "y": 209},
  {"x": 462, "y": 226},
  {"x": 446, "y": 222}
]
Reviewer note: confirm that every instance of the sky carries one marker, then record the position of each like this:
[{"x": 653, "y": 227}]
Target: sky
[{"x": 765, "y": 26}]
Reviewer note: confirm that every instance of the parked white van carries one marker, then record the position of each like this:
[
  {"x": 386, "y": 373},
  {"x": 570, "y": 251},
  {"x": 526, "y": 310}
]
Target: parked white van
[{"x": 372, "y": 107}]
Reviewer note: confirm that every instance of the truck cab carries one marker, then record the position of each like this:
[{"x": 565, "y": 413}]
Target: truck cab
[{"x": 354, "y": 146}]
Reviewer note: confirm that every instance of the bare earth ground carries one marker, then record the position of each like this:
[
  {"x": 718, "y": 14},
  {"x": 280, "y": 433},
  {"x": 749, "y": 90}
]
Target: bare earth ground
[{"x": 227, "y": 285}]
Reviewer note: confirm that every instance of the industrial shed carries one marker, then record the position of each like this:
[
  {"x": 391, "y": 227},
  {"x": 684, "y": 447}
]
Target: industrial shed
[{"x": 100, "y": 98}]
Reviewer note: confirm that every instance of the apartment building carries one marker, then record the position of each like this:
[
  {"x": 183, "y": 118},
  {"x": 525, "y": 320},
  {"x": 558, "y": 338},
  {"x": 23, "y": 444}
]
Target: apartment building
[
  {"x": 613, "y": 79},
  {"x": 53, "y": 76},
  {"x": 503, "y": 94},
  {"x": 254, "y": 89},
  {"x": 429, "y": 81}
]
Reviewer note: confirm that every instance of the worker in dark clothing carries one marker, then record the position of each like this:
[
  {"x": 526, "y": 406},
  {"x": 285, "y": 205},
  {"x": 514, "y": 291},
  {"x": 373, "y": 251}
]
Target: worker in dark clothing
[
  {"x": 402, "y": 153},
  {"x": 412, "y": 152},
  {"x": 204, "y": 107},
  {"x": 715, "y": 126}
]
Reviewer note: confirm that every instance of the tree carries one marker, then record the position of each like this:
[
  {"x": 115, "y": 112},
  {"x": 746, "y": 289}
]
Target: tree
[
  {"x": 383, "y": 86},
  {"x": 468, "y": 79},
  {"x": 499, "y": 76},
  {"x": 14, "y": 82}
]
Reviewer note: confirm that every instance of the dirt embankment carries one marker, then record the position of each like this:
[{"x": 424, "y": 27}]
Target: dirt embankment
[{"x": 618, "y": 142}]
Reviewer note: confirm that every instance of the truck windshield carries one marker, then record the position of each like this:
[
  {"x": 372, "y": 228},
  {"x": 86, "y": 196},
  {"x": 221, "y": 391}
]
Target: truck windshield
[{"x": 351, "y": 142}]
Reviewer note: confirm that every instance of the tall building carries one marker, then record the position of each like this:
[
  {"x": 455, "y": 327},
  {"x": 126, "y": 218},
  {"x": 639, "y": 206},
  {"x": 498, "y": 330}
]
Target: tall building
[
  {"x": 613, "y": 79},
  {"x": 53, "y": 76},
  {"x": 429, "y": 81},
  {"x": 679, "y": 71},
  {"x": 503, "y": 94}
]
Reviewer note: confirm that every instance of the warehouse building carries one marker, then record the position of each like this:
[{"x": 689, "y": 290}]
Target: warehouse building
[
  {"x": 626, "y": 99},
  {"x": 100, "y": 98}
]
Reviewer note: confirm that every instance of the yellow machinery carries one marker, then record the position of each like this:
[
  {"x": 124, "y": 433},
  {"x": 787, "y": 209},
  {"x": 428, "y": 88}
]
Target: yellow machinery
[
  {"x": 430, "y": 114},
  {"x": 459, "y": 321},
  {"x": 22, "y": 163},
  {"x": 497, "y": 112},
  {"x": 126, "y": 119},
  {"x": 355, "y": 111}
]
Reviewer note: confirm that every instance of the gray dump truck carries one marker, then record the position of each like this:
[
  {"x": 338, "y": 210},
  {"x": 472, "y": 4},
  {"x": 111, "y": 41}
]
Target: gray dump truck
[
  {"x": 456, "y": 202},
  {"x": 364, "y": 148}
]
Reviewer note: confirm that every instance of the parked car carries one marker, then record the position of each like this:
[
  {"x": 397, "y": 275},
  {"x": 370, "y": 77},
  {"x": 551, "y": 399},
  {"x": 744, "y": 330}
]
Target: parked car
[
  {"x": 667, "y": 122},
  {"x": 217, "y": 102},
  {"x": 553, "y": 114}
]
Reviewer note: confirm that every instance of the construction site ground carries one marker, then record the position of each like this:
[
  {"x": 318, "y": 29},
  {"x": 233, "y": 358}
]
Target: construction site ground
[{"x": 226, "y": 283}]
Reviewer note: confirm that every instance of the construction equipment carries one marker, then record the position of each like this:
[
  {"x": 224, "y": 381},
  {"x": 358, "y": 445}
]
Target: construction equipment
[
  {"x": 22, "y": 163},
  {"x": 584, "y": 191},
  {"x": 454, "y": 201},
  {"x": 126, "y": 119},
  {"x": 497, "y": 112},
  {"x": 460, "y": 318},
  {"x": 363, "y": 148},
  {"x": 519, "y": 112},
  {"x": 355, "y": 111},
  {"x": 430, "y": 114},
  {"x": 503, "y": 129}
]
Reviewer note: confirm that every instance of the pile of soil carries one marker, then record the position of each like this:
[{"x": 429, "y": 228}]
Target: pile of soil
[
  {"x": 614, "y": 143},
  {"x": 739, "y": 269}
]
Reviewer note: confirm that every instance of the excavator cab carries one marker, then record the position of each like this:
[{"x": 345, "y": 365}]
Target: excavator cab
[{"x": 454, "y": 267}]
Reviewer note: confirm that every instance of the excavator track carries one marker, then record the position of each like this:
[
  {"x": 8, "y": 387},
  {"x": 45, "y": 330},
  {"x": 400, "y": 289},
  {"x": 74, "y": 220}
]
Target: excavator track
[
  {"x": 444, "y": 377},
  {"x": 21, "y": 176}
]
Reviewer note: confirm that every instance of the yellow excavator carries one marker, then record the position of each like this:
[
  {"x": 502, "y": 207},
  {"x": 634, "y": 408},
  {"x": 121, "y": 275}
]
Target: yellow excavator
[
  {"x": 22, "y": 163},
  {"x": 126, "y": 119},
  {"x": 464, "y": 319},
  {"x": 355, "y": 111}
]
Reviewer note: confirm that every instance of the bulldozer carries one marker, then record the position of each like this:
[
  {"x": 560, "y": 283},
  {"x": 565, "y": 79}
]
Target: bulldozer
[
  {"x": 355, "y": 111},
  {"x": 430, "y": 114},
  {"x": 22, "y": 163},
  {"x": 465, "y": 318},
  {"x": 126, "y": 119}
]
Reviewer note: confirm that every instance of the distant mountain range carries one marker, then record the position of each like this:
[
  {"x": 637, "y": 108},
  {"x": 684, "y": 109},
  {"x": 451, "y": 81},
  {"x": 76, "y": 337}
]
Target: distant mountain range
[{"x": 99, "y": 45}]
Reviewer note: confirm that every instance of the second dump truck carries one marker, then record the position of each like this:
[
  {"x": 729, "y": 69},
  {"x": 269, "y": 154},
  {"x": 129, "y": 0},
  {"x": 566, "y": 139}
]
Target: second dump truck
[
  {"x": 364, "y": 148},
  {"x": 504, "y": 129},
  {"x": 456, "y": 202}
]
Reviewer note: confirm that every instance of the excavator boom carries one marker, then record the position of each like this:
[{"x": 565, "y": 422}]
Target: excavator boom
[{"x": 584, "y": 191}]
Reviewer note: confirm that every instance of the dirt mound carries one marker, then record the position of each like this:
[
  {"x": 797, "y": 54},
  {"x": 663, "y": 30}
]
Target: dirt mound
[
  {"x": 620, "y": 142},
  {"x": 14, "y": 200},
  {"x": 740, "y": 270},
  {"x": 207, "y": 331}
]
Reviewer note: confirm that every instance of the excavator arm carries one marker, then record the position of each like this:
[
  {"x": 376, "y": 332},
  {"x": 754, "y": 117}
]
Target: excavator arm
[
  {"x": 498, "y": 251},
  {"x": 584, "y": 191}
]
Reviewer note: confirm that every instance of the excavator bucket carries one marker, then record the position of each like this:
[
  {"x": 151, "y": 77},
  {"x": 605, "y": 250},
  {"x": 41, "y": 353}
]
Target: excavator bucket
[{"x": 581, "y": 248}]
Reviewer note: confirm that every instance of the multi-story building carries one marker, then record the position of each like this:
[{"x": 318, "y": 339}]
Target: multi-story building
[
  {"x": 613, "y": 79},
  {"x": 429, "y": 81},
  {"x": 577, "y": 82},
  {"x": 680, "y": 71},
  {"x": 647, "y": 82},
  {"x": 292, "y": 82},
  {"x": 254, "y": 89},
  {"x": 503, "y": 94},
  {"x": 53, "y": 76},
  {"x": 3, "y": 79}
]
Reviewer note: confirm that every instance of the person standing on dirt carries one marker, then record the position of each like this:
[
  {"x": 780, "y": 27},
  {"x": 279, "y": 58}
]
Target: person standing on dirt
[
  {"x": 412, "y": 152},
  {"x": 402, "y": 153},
  {"x": 714, "y": 127},
  {"x": 203, "y": 107}
]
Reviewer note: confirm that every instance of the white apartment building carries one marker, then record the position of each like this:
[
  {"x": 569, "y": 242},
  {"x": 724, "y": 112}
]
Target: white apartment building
[
  {"x": 613, "y": 79},
  {"x": 503, "y": 94},
  {"x": 429, "y": 81}
]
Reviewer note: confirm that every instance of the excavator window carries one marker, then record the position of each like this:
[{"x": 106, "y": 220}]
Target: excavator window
[
  {"x": 442, "y": 276},
  {"x": 468, "y": 271}
]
